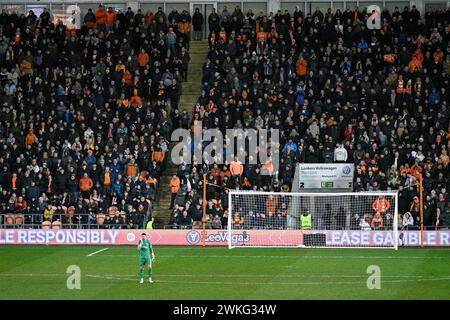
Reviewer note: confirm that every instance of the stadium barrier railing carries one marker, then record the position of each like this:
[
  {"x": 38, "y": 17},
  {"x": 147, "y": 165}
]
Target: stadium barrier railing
[{"x": 91, "y": 221}]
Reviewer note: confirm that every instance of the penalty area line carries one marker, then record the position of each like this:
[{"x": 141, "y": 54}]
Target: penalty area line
[
  {"x": 128, "y": 278},
  {"x": 93, "y": 253}
]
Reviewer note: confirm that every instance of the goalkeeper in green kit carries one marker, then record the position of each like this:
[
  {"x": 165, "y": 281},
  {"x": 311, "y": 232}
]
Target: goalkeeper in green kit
[{"x": 145, "y": 247}]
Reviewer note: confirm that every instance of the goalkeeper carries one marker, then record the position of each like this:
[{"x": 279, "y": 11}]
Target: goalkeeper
[{"x": 145, "y": 247}]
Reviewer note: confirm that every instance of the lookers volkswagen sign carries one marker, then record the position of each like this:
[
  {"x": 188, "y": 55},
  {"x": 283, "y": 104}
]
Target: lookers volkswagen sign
[{"x": 326, "y": 175}]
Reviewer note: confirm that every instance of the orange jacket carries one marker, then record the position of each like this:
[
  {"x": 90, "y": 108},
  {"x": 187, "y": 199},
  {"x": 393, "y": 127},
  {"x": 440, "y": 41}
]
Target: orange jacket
[
  {"x": 86, "y": 184},
  {"x": 174, "y": 185},
  {"x": 100, "y": 16},
  {"x": 127, "y": 76},
  {"x": 132, "y": 170},
  {"x": 143, "y": 59},
  {"x": 136, "y": 101},
  {"x": 158, "y": 156},
  {"x": 269, "y": 167},
  {"x": 107, "y": 179},
  {"x": 30, "y": 138},
  {"x": 110, "y": 17},
  {"x": 419, "y": 56},
  {"x": 262, "y": 36},
  {"x": 301, "y": 67},
  {"x": 416, "y": 171},
  {"x": 120, "y": 66},
  {"x": 381, "y": 205},
  {"x": 153, "y": 181},
  {"x": 413, "y": 64},
  {"x": 125, "y": 102},
  {"x": 186, "y": 26}
]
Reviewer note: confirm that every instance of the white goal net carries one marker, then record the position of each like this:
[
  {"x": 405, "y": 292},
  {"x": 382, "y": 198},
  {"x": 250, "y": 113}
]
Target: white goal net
[{"x": 352, "y": 219}]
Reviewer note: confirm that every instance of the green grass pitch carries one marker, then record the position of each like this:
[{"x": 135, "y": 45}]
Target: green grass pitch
[{"x": 39, "y": 272}]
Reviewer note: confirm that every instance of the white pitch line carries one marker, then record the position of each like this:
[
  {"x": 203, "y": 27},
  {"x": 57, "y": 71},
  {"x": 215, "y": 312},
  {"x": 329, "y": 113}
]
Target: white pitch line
[
  {"x": 269, "y": 283},
  {"x": 93, "y": 253},
  {"x": 133, "y": 279},
  {"x": 281, "y": 257},
  {"x": 119, "y": 276},
  {"x": 275, "y": 276}
]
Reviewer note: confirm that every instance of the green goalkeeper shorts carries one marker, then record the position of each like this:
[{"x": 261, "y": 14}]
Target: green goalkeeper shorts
[{"x": 145, "y": 260}]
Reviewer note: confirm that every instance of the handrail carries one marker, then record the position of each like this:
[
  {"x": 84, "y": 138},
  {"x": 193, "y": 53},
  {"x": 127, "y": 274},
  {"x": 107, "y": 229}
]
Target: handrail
[{"x": 95, "y": 225}]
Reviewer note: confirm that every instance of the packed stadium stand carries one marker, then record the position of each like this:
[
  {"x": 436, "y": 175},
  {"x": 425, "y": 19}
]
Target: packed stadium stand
[{"x": 87, "y": 113}]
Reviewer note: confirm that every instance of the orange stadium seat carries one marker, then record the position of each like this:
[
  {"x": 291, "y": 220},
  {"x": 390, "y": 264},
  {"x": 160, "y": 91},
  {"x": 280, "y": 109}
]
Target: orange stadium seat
[
  {"x": 18, "y": 219},
  {"x": 56, "y": 225},
  {"x": 46, "y": 225},
  {"x": 101, "y": 219},
  {"x": 9, "y": 219}
]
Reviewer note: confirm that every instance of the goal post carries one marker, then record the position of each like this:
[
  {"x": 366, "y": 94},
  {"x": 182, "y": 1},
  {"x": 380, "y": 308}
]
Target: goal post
[{"x": 310, "y": 219}]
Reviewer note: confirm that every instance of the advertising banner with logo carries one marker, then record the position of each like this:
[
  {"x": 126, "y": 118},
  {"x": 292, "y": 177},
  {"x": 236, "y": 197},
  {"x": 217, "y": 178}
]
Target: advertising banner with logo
[
  {"x": 326, "y": 176},
  {"x": 214, "y": 237}
]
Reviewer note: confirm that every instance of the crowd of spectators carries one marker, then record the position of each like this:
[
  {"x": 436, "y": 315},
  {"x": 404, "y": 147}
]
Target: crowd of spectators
[
  {"x": 87, "y": 113},
  {"x": 338, "y": 92}
]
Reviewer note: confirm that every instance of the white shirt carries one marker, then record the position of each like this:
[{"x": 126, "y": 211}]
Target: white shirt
[
  {"x": 407, "y": 220},
  {"x": 188, "y": 186},
  {"x": 365, "y": 226},
  {"x": 340, "y": 154}
]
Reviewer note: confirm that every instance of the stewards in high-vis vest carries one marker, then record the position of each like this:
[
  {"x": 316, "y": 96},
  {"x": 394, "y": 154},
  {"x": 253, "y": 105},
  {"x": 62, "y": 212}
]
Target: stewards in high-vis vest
[
  {"x": 150, "y": 224},
  {"x": 306, "y": 221}
]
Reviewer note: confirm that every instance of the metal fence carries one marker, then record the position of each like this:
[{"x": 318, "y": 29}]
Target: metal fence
[
  {"x": 194, "y": 226},
  {"x": 96, "y": 221}
]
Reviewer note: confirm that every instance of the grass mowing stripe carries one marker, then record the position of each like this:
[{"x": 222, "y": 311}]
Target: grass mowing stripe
[{"x": 228, "y": 275}]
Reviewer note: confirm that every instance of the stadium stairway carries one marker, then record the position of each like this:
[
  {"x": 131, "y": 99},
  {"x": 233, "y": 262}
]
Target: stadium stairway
[{"x": 190, "y": 93}]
